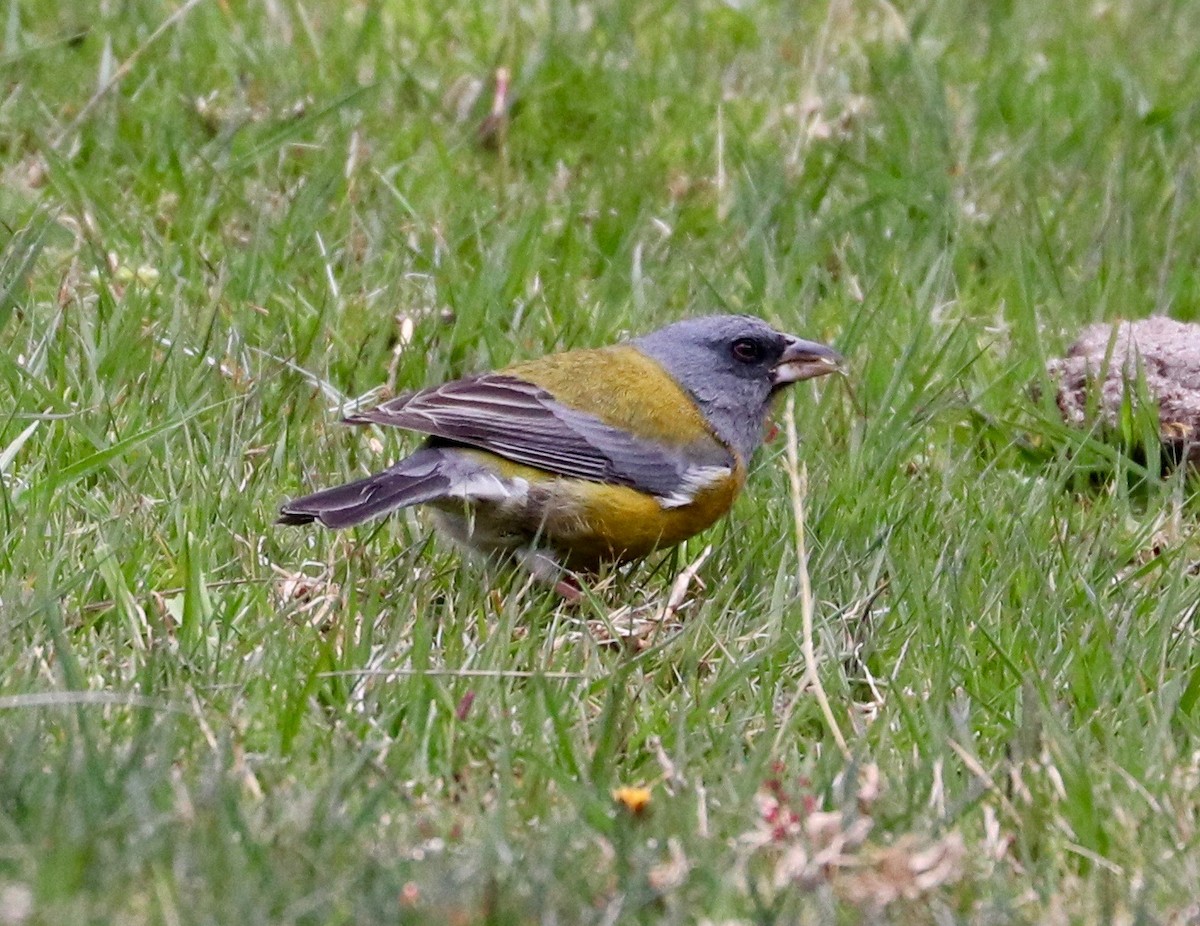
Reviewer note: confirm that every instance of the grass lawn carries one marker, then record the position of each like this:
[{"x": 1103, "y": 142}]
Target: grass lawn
[{"x": 221, "y": 221}]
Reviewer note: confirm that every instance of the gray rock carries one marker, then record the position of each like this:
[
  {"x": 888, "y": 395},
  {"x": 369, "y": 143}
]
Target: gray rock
[{"x": 1165, "y": 351}]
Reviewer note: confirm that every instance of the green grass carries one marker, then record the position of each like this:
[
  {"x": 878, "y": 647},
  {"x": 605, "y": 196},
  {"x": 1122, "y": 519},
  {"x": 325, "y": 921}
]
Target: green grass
[{"x": 202, "y": 262}]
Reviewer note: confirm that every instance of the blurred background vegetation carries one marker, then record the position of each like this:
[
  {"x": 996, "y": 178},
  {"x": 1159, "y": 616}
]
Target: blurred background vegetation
[{"x": 223, "y": 220}]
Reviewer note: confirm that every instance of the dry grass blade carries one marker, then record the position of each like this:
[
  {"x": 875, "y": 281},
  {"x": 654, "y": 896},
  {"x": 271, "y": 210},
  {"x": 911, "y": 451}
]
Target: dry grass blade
[
  {"x": 9, "y": 453},
  {"x": 122, "y": 72},
  {"x": 798, "y": 481},
  {"x": 641, "y": 625},
  {"x": 982, "y": 776},
  {"x": 75, "y": 698},
  {"x": 679, "y": 588},
  {"x": 449, "y": 673}
]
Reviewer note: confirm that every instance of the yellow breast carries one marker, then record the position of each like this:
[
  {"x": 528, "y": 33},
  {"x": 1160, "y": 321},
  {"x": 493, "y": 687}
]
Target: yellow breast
[{"x": 619, "y": 523}]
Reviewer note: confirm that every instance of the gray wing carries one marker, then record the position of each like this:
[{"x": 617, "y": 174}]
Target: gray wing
[{"x": 525, "y": 424}]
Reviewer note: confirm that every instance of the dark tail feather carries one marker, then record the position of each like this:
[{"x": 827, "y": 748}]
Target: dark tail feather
[{"x": 415, "y": 479}]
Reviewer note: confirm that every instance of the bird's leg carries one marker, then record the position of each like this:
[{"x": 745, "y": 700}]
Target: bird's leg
[
  {"x": 569, "y": 590},
  {"x": 549, "y": 571}
]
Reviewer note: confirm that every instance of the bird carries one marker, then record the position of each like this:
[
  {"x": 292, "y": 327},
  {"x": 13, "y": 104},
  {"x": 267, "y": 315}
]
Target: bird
[{"x": 585, "y": 457}]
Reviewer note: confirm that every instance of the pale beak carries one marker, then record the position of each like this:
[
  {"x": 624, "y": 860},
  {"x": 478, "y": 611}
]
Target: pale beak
[{"x": 804, "y": 360}]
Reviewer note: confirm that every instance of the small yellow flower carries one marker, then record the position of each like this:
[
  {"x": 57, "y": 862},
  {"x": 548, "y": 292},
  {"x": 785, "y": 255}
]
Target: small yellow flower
[{"x": 635, "y": 800}]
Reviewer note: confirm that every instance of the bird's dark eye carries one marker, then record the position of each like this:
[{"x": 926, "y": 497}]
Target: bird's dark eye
[{"x": 747, "y": 350}]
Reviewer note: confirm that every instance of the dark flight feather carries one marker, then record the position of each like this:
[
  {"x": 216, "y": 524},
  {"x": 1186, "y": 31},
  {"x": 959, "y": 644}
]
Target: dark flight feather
[
  {"x": 419, "y": 478},
  {"x": 526, "y": 424}
]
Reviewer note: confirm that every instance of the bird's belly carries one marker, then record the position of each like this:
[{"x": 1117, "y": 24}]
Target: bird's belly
[
  {"x": 489, "y": 526},
  {"x": 618, "y": 523},
  {"x": 584, "y": 523}
]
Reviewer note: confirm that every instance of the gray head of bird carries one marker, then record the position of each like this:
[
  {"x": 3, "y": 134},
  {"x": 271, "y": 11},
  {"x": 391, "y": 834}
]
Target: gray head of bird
[{"x": 733, "y": 365}]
